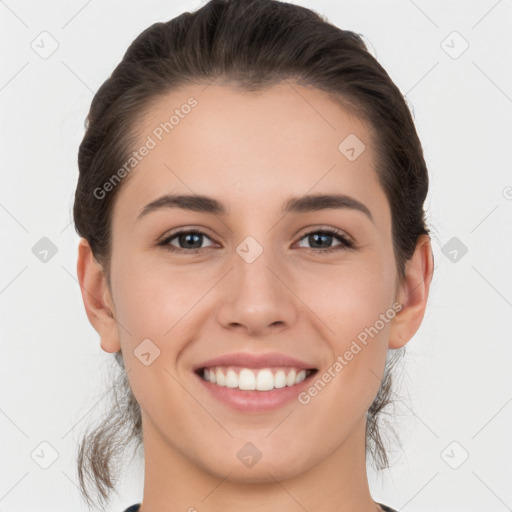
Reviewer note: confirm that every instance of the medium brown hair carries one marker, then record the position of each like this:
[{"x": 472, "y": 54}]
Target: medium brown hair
[{"x": 250, "y": 44}]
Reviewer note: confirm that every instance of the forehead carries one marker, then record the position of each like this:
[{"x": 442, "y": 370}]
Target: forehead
[{"x": 250, "y": 149}]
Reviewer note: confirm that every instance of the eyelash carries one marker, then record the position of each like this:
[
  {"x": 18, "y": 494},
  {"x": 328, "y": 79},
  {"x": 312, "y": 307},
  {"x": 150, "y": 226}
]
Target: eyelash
[{"x": 344, "y": 245}]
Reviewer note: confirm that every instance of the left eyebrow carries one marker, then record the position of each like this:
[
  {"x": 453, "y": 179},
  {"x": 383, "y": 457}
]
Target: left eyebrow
[
  {"x": 205, "y": 204},
  {"x": 316, "y": 202},
  {"x": 195, "y": 203}
]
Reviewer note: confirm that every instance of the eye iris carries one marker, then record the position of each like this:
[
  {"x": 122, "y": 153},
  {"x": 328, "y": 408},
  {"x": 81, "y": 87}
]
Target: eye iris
[
  {"x": 316, "y": 236},
  {"x": 187, "y": 236}
]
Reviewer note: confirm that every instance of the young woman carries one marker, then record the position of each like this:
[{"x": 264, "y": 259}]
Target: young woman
[{"x": 254, "y": 253}]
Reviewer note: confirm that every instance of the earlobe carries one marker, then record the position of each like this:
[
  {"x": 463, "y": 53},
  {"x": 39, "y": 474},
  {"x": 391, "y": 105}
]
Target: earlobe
[
  {"x": 413, "y": 294},
  {"x": 96, "y": 297}
]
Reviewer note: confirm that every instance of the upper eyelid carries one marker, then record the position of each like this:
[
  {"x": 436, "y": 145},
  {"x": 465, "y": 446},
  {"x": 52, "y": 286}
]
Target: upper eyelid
[{"x": 191, "y": 229}]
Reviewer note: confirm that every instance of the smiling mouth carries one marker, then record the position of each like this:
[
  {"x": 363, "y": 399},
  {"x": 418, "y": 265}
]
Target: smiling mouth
[{"x": 247, "y": 379}]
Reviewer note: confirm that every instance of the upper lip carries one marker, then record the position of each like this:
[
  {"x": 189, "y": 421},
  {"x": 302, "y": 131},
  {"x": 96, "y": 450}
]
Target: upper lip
[{"x": 248, "y": 360}]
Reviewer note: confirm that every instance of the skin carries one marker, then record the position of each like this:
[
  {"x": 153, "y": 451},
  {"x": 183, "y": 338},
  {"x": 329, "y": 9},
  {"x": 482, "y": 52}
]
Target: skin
[{"x": 253, "y": 152}]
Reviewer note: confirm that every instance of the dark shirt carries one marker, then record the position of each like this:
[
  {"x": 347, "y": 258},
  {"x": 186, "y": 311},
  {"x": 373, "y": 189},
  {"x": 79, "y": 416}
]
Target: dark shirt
[
  {"x": 384, "y": 507},
  {"x": 135, "y": 508}
]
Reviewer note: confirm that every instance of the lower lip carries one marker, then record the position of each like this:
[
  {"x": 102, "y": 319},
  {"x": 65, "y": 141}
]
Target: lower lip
[{"x": 255, "y": 401}]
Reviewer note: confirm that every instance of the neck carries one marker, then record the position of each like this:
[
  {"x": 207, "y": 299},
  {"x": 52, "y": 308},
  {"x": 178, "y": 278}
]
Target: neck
[{"x": 175, "y": 482}]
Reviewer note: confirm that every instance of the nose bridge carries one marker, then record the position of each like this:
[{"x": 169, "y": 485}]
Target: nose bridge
[
  {"x": 256, "y": 263},
  {"x": 257, "y": 295}
]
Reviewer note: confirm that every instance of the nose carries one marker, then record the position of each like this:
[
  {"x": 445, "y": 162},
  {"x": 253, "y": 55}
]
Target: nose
[{"x": 258, "y": 296}]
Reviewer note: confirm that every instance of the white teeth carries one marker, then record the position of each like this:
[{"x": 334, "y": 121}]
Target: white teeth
[
  {"x": 220, "y": 377},
  {"x": 231, "y": 379},
  {"x": 260, "y": 380},
  {"x": 290, "y": 378},
  {"x": 264, "y": 380},
  {"x": 246, "y": 380},
  {"x": 280, "y": 379},
  {"x": 300, "y": 376}
]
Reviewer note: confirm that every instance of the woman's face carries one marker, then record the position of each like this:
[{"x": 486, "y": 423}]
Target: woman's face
[{"x": 262, "y": 278}]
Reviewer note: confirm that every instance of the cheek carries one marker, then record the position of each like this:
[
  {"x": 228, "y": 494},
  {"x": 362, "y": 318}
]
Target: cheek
[
  {"x": 350, "y": 298},
  {"x": 154, "y": 303},
  {"x": 357, "y": 308},
  {"x": 152, "y": 298}
]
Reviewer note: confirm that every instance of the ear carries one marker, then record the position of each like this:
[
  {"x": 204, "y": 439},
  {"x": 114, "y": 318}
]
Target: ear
[
  {"x": 97, "y": 298},
  {"x": 413, "y": 294}
]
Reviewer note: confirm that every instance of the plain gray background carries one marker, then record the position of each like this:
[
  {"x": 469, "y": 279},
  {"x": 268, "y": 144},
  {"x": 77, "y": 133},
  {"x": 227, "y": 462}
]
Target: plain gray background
[{"x": 452, "y": 60}]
